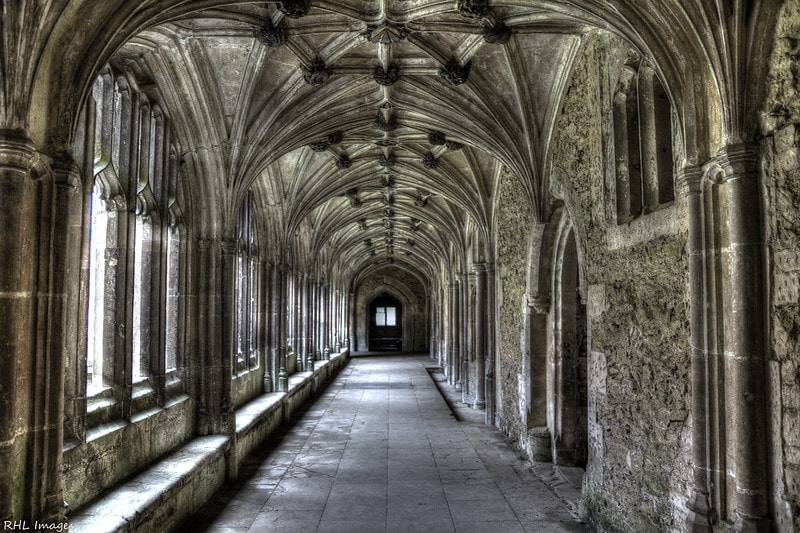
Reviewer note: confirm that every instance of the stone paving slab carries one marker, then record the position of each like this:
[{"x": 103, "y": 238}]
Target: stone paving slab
[{"x": 381, "y": 450}]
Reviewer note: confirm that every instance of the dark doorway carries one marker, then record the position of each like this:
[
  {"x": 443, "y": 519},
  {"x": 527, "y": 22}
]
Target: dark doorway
[{"x": 385, "y": 324}]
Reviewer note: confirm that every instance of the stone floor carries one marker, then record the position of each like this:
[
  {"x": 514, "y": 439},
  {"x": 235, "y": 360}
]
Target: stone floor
[{"x": 380, "y": 450}]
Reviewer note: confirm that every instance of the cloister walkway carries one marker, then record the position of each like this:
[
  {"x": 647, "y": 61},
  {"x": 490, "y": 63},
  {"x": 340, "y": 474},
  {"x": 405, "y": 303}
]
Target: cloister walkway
[{"x": 380, "y": 451}]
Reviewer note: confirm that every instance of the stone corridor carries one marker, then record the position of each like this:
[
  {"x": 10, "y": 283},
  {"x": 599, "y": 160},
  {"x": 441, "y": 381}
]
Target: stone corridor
[{"x": 380, "y": 450}]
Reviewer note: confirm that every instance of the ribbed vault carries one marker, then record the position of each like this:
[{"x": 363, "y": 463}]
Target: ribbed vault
[{"x": 374, "y": 135}]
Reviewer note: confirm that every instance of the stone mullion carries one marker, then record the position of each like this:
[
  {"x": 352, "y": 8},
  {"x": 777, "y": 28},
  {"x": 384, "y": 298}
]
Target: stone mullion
[
  {"x": 648, "y": 139},
  {"x": 621, "y": 158},
  {"x": 745, "y": 339},
  {"x": 701, "y": 515},
  {"x": 254, "y": 315},
  {"x": 158, "y": 295},
  {"x": 479, "y": 270}
]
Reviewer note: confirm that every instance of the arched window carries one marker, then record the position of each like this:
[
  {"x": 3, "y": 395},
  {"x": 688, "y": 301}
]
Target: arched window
[
  {"x": 247, "y": 285},
  {"x": 133, "y": 287}
]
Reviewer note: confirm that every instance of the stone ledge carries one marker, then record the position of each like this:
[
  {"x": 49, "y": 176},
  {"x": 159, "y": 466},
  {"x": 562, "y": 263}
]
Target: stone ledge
[
  {"x": 160, "y": 497},
  {"x": 142, "y": 503}
]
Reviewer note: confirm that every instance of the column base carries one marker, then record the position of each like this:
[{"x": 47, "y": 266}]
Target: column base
[
  {"x": 751, "y": 525},
  {"x": 701, "y": 516}
]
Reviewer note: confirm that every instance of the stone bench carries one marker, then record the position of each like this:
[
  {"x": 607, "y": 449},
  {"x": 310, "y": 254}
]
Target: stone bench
[
  {"x": 161, "y": 496},
  {"x": 175, "y": 487}
]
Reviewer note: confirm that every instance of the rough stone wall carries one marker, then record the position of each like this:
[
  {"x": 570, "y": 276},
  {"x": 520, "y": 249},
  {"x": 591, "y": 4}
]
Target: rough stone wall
[
  {"x": 513, "y": 222},
  {"x": 636, "y": 284},
  {"x": 781, "y": 179}
]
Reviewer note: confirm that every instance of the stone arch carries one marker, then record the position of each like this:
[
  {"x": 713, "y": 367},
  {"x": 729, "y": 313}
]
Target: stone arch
[
  {"x": 415, "y": 317},
  {"x": 567, "y": 362},
  {"x": 556, "y": 335}
]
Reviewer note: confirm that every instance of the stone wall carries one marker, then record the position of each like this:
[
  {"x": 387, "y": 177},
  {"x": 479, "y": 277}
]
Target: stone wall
[
  {"x": 513, "y": 221},
  {"x": 781, "y": 181},
  {"x": 636, "y": 285}
]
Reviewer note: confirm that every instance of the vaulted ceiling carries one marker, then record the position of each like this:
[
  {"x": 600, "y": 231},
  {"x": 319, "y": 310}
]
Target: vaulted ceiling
[{"x": 376, "y": 131}]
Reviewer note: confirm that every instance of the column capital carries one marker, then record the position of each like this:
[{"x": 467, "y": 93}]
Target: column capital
[
  {"x": 539, "y": 303},
  {"x": 689, "y": 180},
  {"x": 738, "y": 160},
  {"x": 480, "y": 267}
]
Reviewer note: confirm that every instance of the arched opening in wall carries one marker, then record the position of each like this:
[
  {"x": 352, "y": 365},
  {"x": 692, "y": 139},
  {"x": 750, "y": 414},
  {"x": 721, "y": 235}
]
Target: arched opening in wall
[
  {"x": 569, "y": 372},
  {"x": 385, "y": 324}
]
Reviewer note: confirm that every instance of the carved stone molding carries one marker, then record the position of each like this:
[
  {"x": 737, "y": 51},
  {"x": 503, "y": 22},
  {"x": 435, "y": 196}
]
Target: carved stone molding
[
  {"x": 385, "y": 161},
  {"x": 473, "y": 8},
  {"x": 295, "y": 9},
  {"x": 270, "y": 34},
  {"x": 436, "y": 138},
  {"x": 689, "y": 180},
  {"x": 319, "y": 146},
  {"x": 386, "y": 124},
  {"x": 422, "y": 199},
  {"x": 317, "y": 73},
  {"x": 343, "y": 162},
  {"x": 388, "y": 181},
  {"x": 352, "y": 194},
  {"x": 430, "y": 161},
  {"x": 336, "y": 137},
  {"x": 386, "y": 77},
  {"x": 386, "y": 33},
  {"x": 455, "y": 72},
  {"x": 500, "y": 33},
  {"x": 386, "y": 142},
  {"x": 362, "y": 223},
  {"x": 453, "y": 145},
  {"x": 540, "y": 303},
  {"x": 415, "y": 224}
]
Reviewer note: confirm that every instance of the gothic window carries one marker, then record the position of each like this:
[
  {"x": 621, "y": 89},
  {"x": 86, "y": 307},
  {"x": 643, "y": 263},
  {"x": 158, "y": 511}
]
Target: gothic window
[
  {"x": 642, "y": 122},
  {"x": 386, "y": 316},
  {"x": 134, "y": 232},
  {"x": 246, "y": 296}
]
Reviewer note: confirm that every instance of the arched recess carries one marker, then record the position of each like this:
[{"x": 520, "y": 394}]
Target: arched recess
[
  {"x": 567, "y": 372},
  {"x": 411, "y": 294},
  {"x": 385, "y": 316},
  {"x": 557, "y": 387}
]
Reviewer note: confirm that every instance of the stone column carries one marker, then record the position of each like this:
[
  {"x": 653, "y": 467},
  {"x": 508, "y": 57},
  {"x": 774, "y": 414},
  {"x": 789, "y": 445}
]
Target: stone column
[
  {"x": 745, "y": 337},
  {"x": 648, "y": 140},
  {"x": 228, "y": 352},
  {"x": 37, "y": 201},
  {"x": 205, "y": 335},
  {"x": 452, "y": 342},
  {"x": 489, "y": 346},
  {"x": 282, "y": 291},
  {"x": 539, "y": 311},
  {"x": 461, "y": 330},
  {"x": 265, "y": 322},
  {"x": 481, "y": 316},
  {"x": 701, "y": 515}
]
